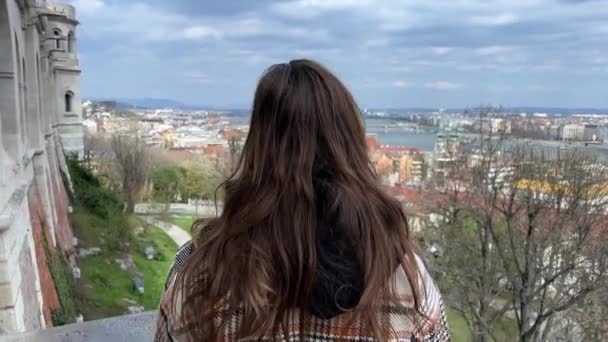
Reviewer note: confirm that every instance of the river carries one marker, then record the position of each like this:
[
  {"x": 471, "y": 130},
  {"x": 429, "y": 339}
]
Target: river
[
  {"x": 391, "y": 132},
  {"x": 400, "y": 135}
]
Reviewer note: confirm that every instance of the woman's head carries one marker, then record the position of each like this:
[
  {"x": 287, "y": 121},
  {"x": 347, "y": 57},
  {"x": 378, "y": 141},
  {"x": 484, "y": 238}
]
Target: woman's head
[
  {"x": 303, "y": 172},
  {"x": 303, "y": 119}
]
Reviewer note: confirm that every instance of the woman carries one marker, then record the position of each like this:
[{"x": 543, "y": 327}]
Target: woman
[{"x": 308, "y": 247}]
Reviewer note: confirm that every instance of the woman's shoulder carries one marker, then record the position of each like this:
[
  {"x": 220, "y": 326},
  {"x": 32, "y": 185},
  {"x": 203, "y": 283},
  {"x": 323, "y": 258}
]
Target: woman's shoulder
[
  {"x": 431, "y": 303},
  {"x": 167, "y": 309},
  {"x": 181, "y": 257},
  {"x": 426, "y": 290}
]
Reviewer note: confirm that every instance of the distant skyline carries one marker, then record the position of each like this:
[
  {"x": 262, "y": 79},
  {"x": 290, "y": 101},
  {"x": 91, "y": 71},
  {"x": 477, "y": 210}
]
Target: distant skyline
[{"x": 441, "y": 53}]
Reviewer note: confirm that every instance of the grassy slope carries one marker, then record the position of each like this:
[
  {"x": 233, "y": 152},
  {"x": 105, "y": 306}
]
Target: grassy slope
[
  {"x": 184, "y": 222},
  {"x": 155, "y": 272},
  {"x": 104, "y": 286}
]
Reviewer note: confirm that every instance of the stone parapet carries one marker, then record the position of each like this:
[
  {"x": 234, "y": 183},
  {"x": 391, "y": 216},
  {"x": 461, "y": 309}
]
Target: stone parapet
[
  {"x": 130, "y": 328},
  {"x": 65, "y": 10}
]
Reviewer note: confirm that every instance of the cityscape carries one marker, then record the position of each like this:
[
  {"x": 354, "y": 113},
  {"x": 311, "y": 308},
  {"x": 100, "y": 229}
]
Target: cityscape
[
  {"x": 106, "y": 170},
  {"x": 405, "y": 146}
]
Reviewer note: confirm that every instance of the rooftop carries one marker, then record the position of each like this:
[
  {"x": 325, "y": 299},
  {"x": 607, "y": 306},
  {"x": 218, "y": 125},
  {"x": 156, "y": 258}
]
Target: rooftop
[{"x": 130, "y": 328}]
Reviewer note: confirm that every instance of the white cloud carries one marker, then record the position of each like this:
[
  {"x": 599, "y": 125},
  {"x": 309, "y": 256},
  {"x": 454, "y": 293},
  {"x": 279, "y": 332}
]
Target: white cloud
[
  {"x": 437, "y": 40},
  {"x": 197, "y": 77},
  {"x": 548, "y": 66},
  {"x": 441, "y": 50},
  {"x": 443, "y": 85},
  {"x": 400, "y": 84},
  {"x": 601, "y": 28},
  {"x": 388, "y": 16},
  {"x": 200, "y": 32},
  {"x": 401, "y": 68},
  {"x": 316, "y": 53},
  {"x": 392, "y": 19},
  {"x": 313, "y": 8},
  {"x": 87, "y": 6},
  {"x": 493, "y": 50},
  {"x": 495, "y": 20},
  {"x": 423, "y": 62},
  {"x": 377, "y": 42},
  {"x": 536, "y": 88},
  {"x": 158, "y": 25}
]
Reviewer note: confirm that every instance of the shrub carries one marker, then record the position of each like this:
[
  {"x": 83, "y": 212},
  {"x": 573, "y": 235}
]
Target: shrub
[
  {"x": 64, "y": 283},
  {"x": 158, "y": 254},
  {"x": 89, "y": 193},
  {"x": 102, "y": 203},
  {"x": 117, "y": 231}
]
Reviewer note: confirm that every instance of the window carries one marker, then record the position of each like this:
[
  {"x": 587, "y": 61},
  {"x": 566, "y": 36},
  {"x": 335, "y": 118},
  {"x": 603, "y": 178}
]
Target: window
[
  {"x": 57, "y": 34},
  {"x": 68, "y": 101},
  {"x": 70, "y": 42}
]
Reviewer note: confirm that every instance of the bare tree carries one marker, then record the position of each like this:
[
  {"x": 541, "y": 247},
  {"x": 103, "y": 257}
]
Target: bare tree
[
  {"x": 201, "y": 182},
  {"x": 469, "y": 269},
  {"x": 553, "y": 241},
  {"x": 133, "y": 164},
  {"x": 589, "y": 318},
  {"x": 524, "y": 235},
  {"x": 226, "y": 163},
  {"x": 234, "y": 153}
]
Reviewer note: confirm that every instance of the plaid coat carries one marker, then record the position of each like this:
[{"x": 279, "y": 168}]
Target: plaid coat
[{"x": 406, "y": 324}]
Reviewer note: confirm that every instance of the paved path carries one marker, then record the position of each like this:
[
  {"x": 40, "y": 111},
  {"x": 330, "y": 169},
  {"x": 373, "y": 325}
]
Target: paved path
[
  {"x": 203, "y": 210},
  {"x": 178, "y": 235}
]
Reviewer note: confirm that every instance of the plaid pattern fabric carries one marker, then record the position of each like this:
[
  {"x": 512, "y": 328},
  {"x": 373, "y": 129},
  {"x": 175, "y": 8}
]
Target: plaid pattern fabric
[{"x": 399, "y": 311}]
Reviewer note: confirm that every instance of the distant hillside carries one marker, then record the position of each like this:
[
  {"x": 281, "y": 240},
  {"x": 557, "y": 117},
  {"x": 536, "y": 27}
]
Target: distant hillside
[
  {"x": 151, "y": 103},
  {"x": 241, "y": 109},
  {"x": 509, "y": 109},
  {"x": 554, "y": 110}
]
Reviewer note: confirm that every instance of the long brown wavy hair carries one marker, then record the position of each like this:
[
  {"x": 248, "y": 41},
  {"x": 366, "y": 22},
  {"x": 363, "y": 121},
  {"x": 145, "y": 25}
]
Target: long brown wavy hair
[{"x": 259, "y": 258}]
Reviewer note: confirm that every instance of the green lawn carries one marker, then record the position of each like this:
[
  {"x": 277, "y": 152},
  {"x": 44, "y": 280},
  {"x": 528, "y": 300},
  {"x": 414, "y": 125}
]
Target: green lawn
[
  {"x": 184, "y": 222},
  {"x": 458, "y": 327},
  {"x": 506, "y": 329},
  {"x": 86, "y": 226},
  {"x": 103, "y": 286},
  {"x": 155, "y": 272}
]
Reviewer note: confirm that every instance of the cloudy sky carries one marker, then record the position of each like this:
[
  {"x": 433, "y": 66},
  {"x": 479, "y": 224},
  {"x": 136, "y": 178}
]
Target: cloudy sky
[{"x": 390, "y": 53}]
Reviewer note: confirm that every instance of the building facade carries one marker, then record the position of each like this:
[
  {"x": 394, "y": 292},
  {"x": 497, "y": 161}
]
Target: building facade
[
  {"x": 573, "y": 132},
  {"x": 591, "y": 132},
  {"x": 40, "y": 121}
]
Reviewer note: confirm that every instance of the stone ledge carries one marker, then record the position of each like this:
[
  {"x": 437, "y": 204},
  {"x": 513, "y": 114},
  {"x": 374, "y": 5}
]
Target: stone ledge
[{"x": 130, "y": 328}]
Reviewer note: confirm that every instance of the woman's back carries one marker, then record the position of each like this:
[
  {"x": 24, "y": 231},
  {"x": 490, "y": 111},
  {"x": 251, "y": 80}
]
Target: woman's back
[
  {"x": 398, "y": 309},
  {"x": 308, "y": 244}
]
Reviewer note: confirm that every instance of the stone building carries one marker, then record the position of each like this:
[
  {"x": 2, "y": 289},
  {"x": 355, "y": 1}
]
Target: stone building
[
  {"x": 573, "y": 132},
  {"x": 40, "y": 120}
]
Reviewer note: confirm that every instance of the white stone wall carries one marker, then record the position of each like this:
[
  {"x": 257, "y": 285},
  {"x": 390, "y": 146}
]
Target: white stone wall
[
  {"x": 67, "y": 76},
  {"x": 36, "y": 72}
]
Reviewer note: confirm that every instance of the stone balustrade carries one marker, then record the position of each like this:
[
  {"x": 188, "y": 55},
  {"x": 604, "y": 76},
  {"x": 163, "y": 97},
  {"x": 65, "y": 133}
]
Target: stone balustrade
[{"x": 129, "y": 328}]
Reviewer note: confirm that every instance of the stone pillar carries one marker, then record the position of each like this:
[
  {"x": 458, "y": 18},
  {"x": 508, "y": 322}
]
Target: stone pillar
[{"x": 32, "y": 91}]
